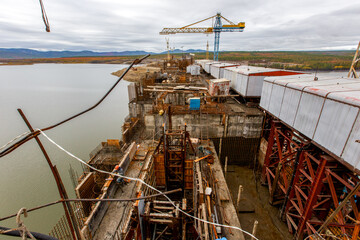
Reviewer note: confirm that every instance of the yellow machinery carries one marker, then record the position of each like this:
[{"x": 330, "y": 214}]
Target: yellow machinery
[{"x": 217, "y": 28}]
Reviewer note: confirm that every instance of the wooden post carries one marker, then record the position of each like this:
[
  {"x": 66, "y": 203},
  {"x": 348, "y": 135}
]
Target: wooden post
[
  {"x": 353, "y": 64},
  {"x": 225, "y": 168},
  {"x": 254, "y": 228},
  {"x": 337, "y": 210},
  {"x": 239, "y": 196}
]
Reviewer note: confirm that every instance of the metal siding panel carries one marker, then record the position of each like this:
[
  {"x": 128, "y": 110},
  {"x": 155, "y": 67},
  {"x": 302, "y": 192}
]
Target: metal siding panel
[
  {"x": 232, "y": 83},
  {"x": 214, "y": 71},
  {"x": 221, "y": 74},
  {"x": 227, "y": 74},
  {"x": 243, "y": 84},
  {"x": 233, "y": 76},
  {"x": 352, "y": 148},
  {"x": 265, "y": 95},
  {"x": 254, "y": 87},
  {"x": 217, "y": 72},
  {"x": 207, "y": 67},
  {"x": 276, "y": 99},
  {"x": 237, "y": 82},
  {"x": 211, "y": 70},
  {"x": 308, "y": 114},
  {"x": 289, "y": 106},
  {"x": 334, "y": 126}
]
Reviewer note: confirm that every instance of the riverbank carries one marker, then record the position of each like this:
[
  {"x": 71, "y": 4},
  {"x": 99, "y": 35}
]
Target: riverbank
[
  {"x": 71, "y": 60},
  {"x": 290, "y": 60}
]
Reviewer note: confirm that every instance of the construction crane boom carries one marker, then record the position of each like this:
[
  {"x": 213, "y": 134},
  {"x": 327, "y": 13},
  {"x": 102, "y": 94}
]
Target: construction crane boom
[
  {"x": 167, "y": 31},
  {"x": 217, "y": 28}
]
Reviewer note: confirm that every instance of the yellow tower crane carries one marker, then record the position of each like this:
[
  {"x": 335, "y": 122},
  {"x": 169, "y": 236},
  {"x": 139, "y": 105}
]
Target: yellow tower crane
[
  {"x": 207, "y": 50},
  {"x": 217, "y": 28}
]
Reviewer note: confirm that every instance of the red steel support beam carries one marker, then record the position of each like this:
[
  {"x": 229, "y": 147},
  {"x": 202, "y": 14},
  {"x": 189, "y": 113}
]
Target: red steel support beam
[
  {"x": 269, "y": 151},
  {"x": 315, "y": 190}
]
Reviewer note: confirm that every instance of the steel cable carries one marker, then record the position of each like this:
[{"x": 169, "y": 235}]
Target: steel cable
[
  {"x": 146, "y": 184},
  {"x": 44, "y": 16},
  {"x": 36, "y": 133}
]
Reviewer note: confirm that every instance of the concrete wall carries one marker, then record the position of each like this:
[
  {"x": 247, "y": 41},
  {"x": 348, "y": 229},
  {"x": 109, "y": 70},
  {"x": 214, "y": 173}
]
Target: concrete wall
[{"x": 209, "y": 125}]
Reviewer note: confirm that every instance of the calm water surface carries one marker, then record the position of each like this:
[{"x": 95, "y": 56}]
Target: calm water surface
[{"x": 47, "y": 94}]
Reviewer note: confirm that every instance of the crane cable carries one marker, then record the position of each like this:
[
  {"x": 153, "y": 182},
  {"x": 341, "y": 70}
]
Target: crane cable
[{"x": 44, "y": 16}]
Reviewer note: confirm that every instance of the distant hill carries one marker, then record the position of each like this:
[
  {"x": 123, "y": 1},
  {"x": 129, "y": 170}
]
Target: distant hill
[{"x": 23, "y": 53}]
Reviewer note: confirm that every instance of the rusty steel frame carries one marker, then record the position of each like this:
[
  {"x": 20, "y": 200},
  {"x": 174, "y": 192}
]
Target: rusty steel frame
[
  {"x": 311, "y": 189},
  {"x": 279, "y": 158}
]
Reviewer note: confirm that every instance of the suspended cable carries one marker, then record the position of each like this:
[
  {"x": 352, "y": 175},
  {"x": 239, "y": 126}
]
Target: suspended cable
[
  {"x": 146, "y": 184},
  {"x": 34, "y": 134},
  {"x": 44, "y": 16},
  {"x": 94, "y": 200}
]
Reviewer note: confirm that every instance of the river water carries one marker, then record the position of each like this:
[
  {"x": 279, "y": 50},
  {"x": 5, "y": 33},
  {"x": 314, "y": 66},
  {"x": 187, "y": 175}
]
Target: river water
[{"x": 47, "y": 94}]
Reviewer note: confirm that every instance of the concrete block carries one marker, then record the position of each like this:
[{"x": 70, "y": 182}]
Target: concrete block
[{"x": 149, "y": 120}]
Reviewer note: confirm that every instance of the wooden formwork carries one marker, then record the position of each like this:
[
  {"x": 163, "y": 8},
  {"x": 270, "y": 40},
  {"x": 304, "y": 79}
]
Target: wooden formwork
[
  {"x": 160, "y": 170},
  {"x": 189, "y": 174}
]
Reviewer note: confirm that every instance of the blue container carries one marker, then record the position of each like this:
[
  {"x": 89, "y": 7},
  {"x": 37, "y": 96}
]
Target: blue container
[{"x": 194, "y": 103}]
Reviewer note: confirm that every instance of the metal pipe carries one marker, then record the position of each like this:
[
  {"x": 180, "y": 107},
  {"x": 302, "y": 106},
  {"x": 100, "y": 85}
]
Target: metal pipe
[
  {"x": 96, "y": 200},
  {"x": 337, "y": 210},
  {"x": 254, "y": 229},
  {"x": 17, "y": 233}
]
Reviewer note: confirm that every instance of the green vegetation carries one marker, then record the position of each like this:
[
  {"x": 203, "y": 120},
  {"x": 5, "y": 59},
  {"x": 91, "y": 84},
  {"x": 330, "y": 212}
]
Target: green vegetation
[{"x": 321, "y": 60}]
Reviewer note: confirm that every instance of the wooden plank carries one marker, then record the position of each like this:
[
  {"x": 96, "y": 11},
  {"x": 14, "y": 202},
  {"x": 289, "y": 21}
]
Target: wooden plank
[{"x": 161, "y": 221}]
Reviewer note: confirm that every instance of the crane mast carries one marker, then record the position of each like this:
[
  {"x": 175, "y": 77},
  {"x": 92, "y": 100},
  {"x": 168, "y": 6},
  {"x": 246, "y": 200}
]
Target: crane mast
[
  {"x": 217, "y": 28},
  {"x": 217, "y": 31}
]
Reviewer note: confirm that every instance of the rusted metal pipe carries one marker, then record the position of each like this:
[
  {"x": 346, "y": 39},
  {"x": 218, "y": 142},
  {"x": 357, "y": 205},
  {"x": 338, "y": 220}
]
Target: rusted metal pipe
[
  {"x": 337, "y": 210},
  {"x": 95, "y": 200},
  {"x": 16, "y": 233},
  {"x": 36, "y": 133},
  {"x": 61, "y": 189}
]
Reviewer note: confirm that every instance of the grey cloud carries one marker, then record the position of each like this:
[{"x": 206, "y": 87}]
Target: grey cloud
[{"x": 134, "y": 25}]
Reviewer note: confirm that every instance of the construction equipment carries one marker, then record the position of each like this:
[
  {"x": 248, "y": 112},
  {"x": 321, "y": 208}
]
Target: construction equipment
[
  {"x": 352, "y": 71},
  {"x": 207, "y": 50},
  {"x": 168, "y": 48},
  {"x": 209, "y": 158},
  {"x": 217, "y": 28}
]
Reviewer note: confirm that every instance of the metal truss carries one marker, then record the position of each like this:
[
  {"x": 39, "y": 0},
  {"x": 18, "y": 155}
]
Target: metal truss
[{"x": 309, "y": 185}]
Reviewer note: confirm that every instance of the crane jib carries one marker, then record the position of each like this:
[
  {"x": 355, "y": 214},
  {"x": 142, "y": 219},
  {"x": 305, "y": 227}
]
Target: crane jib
[{"x": 217, "y": 28}]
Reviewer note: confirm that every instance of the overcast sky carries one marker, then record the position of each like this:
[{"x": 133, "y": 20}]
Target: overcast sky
[{"x": 119, "y": 25}]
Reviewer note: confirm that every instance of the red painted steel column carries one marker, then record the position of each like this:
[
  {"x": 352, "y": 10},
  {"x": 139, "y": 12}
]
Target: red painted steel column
[
  {"x": 295, "y": 181},
  {"x": 270, "y": 145},
  {"x": 314, "y": 192}
]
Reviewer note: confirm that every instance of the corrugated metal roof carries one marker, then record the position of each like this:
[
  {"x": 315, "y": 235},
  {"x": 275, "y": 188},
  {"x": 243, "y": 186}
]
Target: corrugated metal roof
[
  {"x": 284, "y": 80},
  {"x": 248, "y": 70},
  {"x": 219, "y": 80},
  {"x": 223, "y": 64},
  {"x": 327, "y": 110},
  {"x": 351, "y": 97},
  {"x": 322, "y": 82},
  {"x": 327, "y": 89}
]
